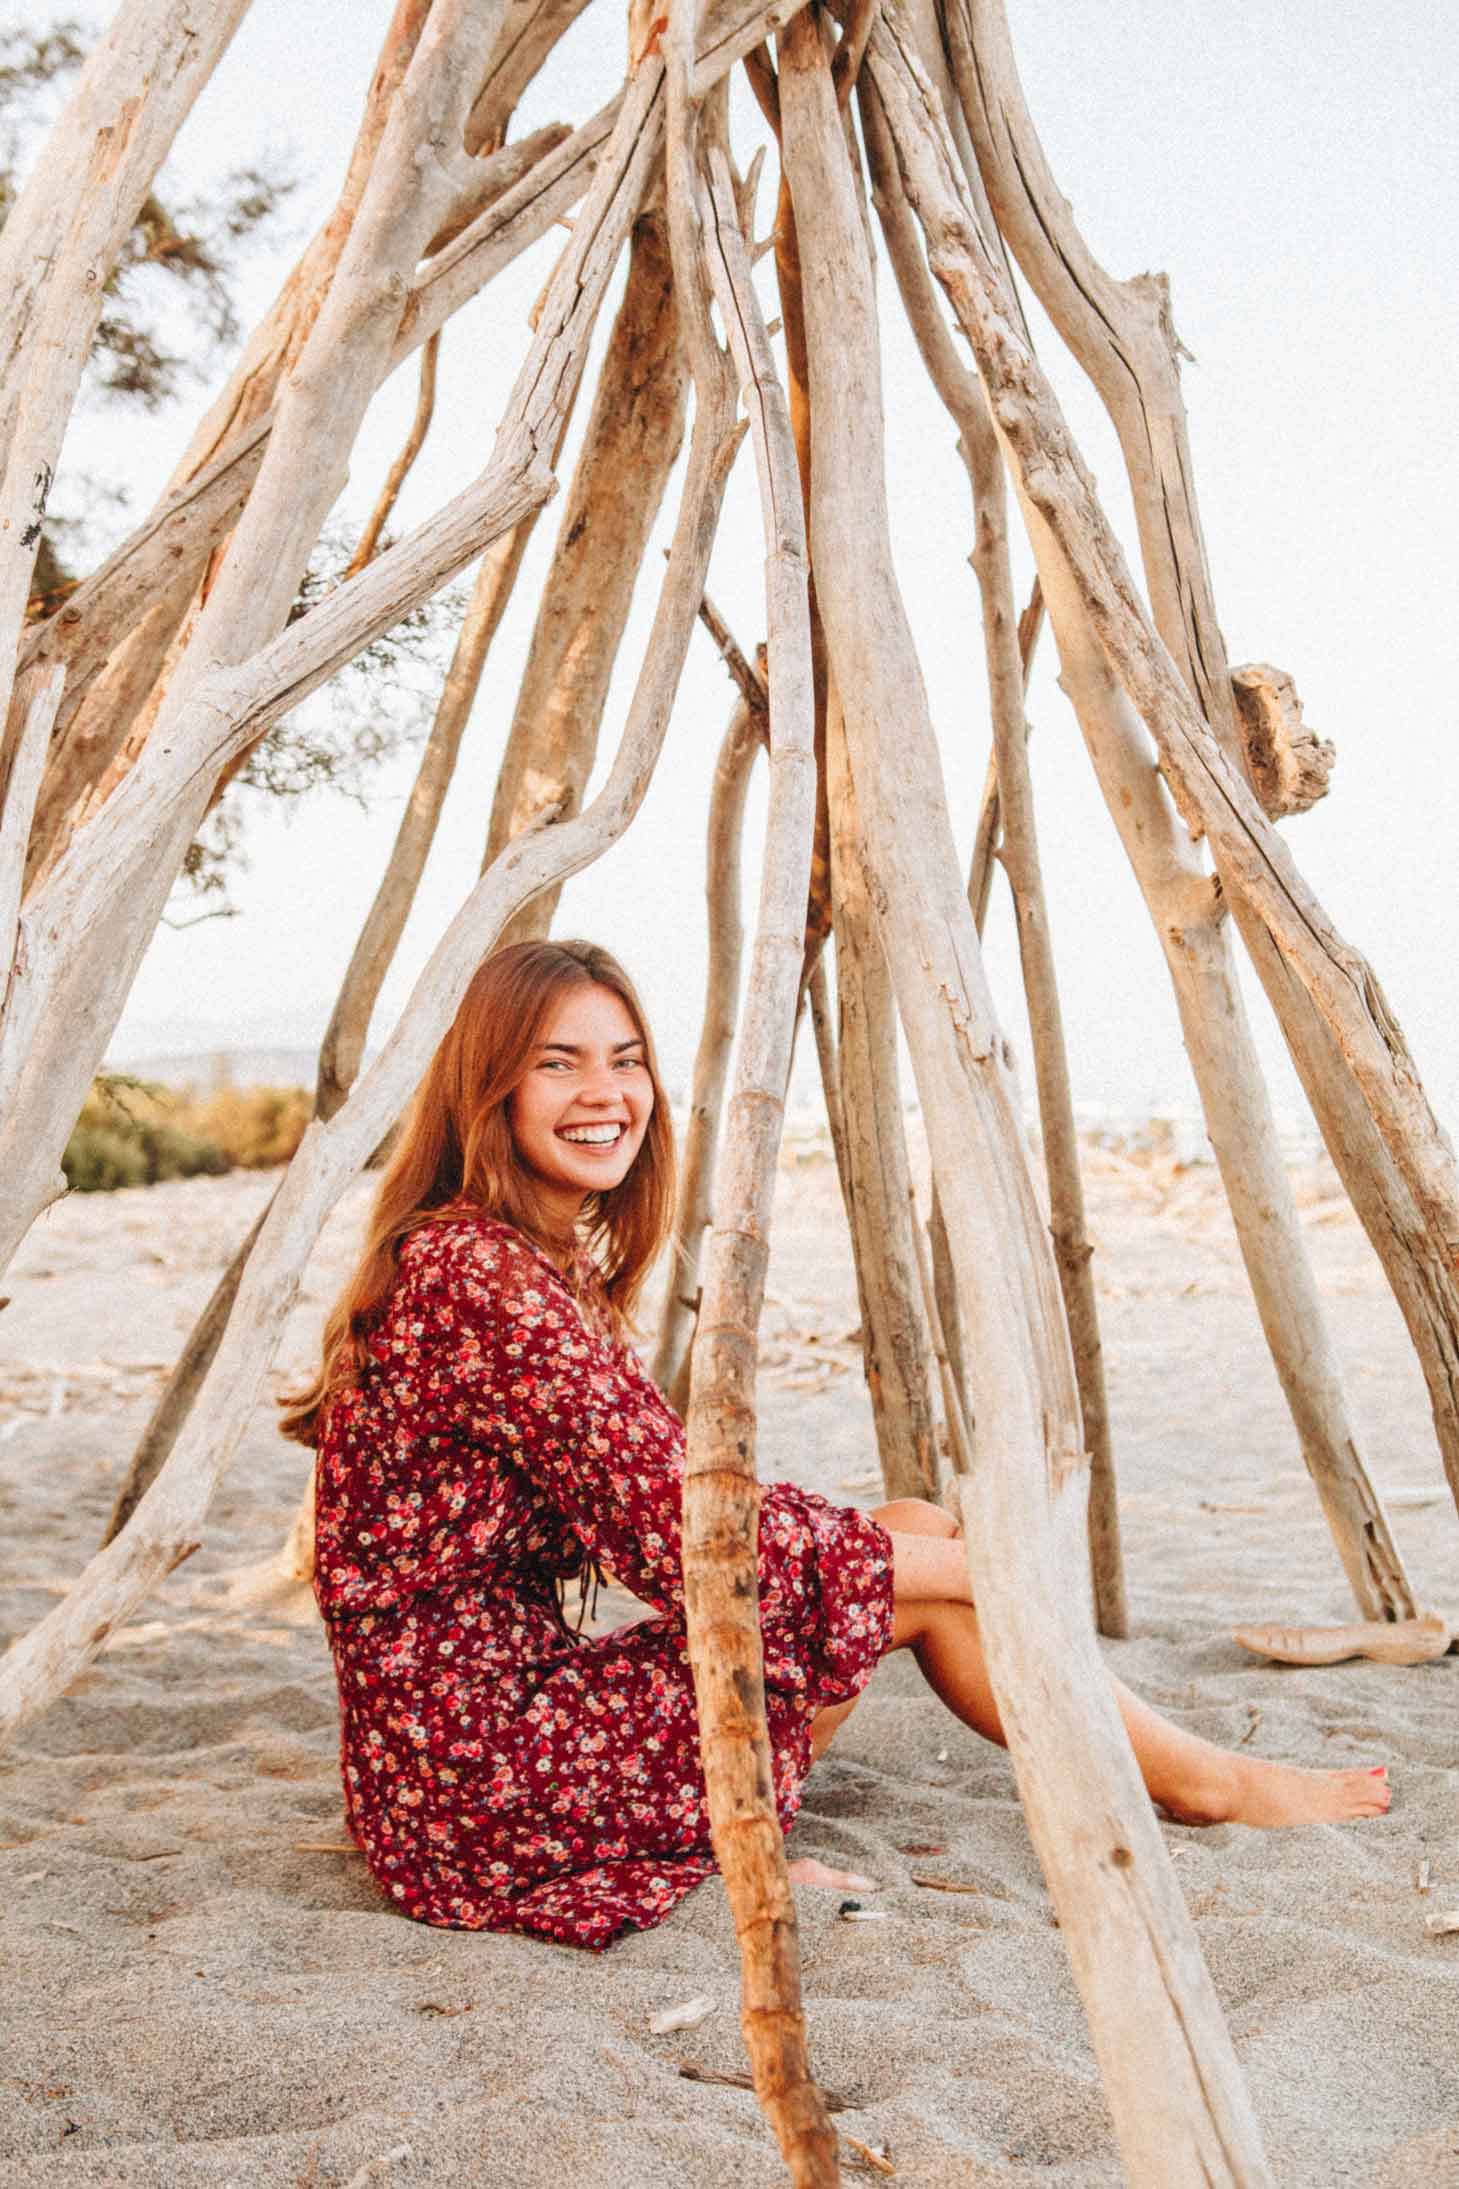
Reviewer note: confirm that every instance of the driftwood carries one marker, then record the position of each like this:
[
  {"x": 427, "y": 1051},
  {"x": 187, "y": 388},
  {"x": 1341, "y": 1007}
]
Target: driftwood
[
  {"x": 721, "y": 1498},
  {"x": 895, "y": 1352},
  {"x": 1353, "y": 1064},
  {"x": 108, "y": 723},
  {"x": 1190, "y": 922},
  {"x": 1007, "y": 666},
  {"x": 154, "y": 573},
  {"x": 164, "y": 1527},
  {"x": 129, "y": 705},
  {"x": 395, "y": 478},
  {"x": 60, "y": 243},
  {"x": 628, "y": 451},
  {"x": 98, "y": 908},
  {"x": 1289, "y": 764},
  {"x": 692, "y": 1216},
  {"x": 1172, "y": 2080}
]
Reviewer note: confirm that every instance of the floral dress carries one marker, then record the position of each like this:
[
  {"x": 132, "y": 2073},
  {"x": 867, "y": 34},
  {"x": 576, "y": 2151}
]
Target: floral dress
[{"x": 500, "y": 1771}]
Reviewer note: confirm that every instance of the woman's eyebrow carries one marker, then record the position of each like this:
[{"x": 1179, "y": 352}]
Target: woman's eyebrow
[{"x": 573, "y": 1048}]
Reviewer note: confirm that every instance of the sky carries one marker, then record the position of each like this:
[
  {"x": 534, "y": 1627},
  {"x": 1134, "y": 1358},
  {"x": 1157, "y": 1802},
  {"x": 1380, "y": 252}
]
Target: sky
[{"x": 1293, "y": 170}]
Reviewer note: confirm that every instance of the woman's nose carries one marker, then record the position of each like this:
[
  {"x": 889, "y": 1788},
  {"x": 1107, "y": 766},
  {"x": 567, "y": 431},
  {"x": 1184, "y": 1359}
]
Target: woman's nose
[{"x": 599, "y": 1084}]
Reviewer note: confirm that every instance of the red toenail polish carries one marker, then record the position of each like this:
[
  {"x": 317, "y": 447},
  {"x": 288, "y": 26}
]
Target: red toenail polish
[{"x": 1379, "y": 1771}]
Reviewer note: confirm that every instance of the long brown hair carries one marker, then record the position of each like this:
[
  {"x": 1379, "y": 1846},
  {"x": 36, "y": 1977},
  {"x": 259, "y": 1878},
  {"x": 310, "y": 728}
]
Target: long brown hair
[{"x": 456, "y": 1145}]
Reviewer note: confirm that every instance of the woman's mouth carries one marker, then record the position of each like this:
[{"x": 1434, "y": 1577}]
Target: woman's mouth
[{"x": 595, "y": 1139}]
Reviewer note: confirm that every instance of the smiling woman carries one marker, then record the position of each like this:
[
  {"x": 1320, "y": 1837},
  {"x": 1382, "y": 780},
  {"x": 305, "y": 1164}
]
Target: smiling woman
[{"x": 485, "y": 1432}]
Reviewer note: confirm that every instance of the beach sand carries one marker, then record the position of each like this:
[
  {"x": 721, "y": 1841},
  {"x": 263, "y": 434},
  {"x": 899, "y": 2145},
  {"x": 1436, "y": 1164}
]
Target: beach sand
[{"x": 194, "y": 1995}]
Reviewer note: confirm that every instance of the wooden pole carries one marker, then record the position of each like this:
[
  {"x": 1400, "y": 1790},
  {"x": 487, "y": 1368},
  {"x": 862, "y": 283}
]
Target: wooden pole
[
  {"x": 745, "y": 737},
  {"x": 166, "y": 1524},
  {"x": 721, "y": 1493},
  {"x": 1007, "y": 671},
  {"x": 1180, "y": 2108},
  {"x": 632, "y": 441},
  {"x": 895, "y": 1352},
  {"x": 1081, "y": 589}
]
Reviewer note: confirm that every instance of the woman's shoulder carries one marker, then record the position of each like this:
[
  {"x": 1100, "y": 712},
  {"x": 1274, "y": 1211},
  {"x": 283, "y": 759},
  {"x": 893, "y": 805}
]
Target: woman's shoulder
[{"x": 466, "y": 1243}]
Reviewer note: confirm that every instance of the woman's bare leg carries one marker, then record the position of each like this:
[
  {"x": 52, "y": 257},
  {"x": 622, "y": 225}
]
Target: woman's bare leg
[{"x": 1191, "y": 1778}]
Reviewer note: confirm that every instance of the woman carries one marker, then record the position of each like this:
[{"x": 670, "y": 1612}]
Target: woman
[{"x": 485, "y": 1432}]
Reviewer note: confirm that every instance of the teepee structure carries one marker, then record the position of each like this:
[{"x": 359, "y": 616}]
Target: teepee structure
[{"x": 899, "y": 128}]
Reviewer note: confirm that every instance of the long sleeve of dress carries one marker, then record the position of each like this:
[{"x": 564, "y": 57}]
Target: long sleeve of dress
[{"x": 583, "y": 1420}]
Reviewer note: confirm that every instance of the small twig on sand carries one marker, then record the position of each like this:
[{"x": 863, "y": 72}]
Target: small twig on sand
[{"x": 693, "y": 2073}]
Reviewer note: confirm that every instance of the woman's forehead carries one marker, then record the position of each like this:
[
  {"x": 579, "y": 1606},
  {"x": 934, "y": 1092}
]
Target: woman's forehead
[{"x": 587, "y": 1015}]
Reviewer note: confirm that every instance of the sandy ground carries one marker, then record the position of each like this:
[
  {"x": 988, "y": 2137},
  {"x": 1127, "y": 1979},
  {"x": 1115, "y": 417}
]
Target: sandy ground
[{"x": 195, "y": 1995}]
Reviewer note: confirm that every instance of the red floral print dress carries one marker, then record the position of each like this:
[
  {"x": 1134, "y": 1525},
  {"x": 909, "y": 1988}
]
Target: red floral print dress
[{"x": 500, "y": 1771}]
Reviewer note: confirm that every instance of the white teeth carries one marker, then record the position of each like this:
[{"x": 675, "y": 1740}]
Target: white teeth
[{"x": 592, "y": 1136}]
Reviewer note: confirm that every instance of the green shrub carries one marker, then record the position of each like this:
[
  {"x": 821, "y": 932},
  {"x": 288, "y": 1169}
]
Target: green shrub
[{"x": 132, "y": 1133}]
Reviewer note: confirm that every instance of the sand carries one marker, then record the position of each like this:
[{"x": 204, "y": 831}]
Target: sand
[{"x": 194, "y": 1996}]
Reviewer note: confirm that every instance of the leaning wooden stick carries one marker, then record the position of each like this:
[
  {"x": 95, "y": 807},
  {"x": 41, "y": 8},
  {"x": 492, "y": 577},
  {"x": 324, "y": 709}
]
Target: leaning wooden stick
[
  {"x": 1007, "y": 670},
  {"x": 1122, "y": 334},
  {"x": 1180, "y": 2106},
  {"x": 959, "y": 1435},
  {"x": 1191, "y": 922},
  {"x": 725, "y": 929},
  {"x": 721, "y": 1496}
]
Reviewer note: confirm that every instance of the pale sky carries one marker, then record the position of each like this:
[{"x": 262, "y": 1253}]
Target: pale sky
[{"x": 1293, "y": 169}]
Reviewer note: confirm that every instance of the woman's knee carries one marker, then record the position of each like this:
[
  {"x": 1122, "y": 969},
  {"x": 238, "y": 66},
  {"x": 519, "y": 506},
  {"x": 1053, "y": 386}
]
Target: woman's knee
[{"x": 915, "y": 1516}]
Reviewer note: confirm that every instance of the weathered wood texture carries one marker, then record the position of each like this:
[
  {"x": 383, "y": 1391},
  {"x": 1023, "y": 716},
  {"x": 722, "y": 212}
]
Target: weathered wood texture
[
  {"x": 1180, "y": 2108},
  {"x": 1007, "y": 670},
  {"x": 165, "y": 1525},
  {"x": 721, "y": 1492},
  {"x": 1189, "y": 918},
  {"x": 60, "y": 243},
  {"x": 97, "y": 910},
  {"x": 895, "y": 1351},
  {"x": 632, "y": 441},
  {"x": 144, "y": 589},
  {"x": 725, "y": 930},
  {"x": 1348, "y": 1051}
]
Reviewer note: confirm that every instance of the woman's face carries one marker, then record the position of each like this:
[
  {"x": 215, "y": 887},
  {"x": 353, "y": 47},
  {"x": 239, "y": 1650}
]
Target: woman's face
[{"x": 578, "y": 1117}]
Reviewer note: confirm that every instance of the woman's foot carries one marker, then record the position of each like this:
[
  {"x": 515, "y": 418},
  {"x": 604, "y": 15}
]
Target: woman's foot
[
  {"x": 807, "y": 1871},
  {"x": 1247, "y": 1790}
]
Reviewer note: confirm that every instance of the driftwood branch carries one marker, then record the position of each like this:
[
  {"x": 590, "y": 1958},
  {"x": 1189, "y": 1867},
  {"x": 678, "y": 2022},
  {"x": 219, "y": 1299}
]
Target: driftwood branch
[
  {"x": 1172, "y": 2080},
  {"x": 98, "y": 908},
  {"x": 153, "y": 575},
  {"x": 1007, "y": 672},
  {"x": 1123, "y": 335},
  {"x": 60, "y": 243},
  {"x": 895, "y": 1353},
  {"x": 1188, "y": 910},
  {"x": 43, "y": 1663},
  {"x": 632, "y": 441},
  {"x": 399, "y": 472},
  {"x": 694, "y": 1213},
  {"x": 721, "y": 1495}
]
